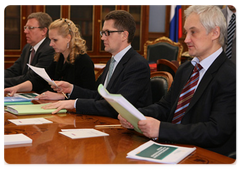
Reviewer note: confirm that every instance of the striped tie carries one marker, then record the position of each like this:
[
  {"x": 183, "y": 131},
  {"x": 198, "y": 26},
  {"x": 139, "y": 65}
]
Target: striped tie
[
  {"x": 186, "y": 95},
  {"x": 110, "y": 71},
  {"x": 230, "y": 34}
]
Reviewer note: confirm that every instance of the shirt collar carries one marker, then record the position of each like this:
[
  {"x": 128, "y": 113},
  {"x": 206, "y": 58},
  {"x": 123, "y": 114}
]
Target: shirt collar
[
  {"x": 38, "y": 44},
  {"x": 119, "y": 55},
  {"x": 206, "y": 63}
]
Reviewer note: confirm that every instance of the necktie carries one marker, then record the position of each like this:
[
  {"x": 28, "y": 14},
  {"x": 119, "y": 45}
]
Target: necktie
[
  {"x": 32, "y": 55},
  {"x": 186, "y": 95},
  {"x": 230, "y": 34},
  {"x": 110, "y": 71}
]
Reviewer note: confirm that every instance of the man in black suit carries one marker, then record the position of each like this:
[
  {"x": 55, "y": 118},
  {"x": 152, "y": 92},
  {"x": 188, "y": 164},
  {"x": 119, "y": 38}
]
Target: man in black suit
[
  {"x": 228, "y": 11},
  {"x": 131, "y": 75},
  {"x": 209, "y": 120},
  {"x": 36, "y": 31}
]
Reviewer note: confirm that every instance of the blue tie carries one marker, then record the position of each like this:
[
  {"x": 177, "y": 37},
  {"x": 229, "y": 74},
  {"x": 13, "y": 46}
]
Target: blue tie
[{"x": 110, "y": 71}]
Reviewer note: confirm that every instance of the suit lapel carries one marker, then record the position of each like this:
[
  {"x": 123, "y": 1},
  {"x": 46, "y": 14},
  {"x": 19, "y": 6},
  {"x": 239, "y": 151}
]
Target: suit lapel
[
  {"x": 206, "y": 79},
  {"x": 26, "y": 59},
  {"x": 119, "y": 67}
]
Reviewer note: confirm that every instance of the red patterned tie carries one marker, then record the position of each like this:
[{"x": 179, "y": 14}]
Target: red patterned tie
[{"x": 186, "y": 95}]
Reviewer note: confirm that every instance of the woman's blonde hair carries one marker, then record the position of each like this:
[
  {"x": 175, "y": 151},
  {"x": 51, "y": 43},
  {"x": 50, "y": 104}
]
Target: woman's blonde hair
[{"x": 76, "y": 44}]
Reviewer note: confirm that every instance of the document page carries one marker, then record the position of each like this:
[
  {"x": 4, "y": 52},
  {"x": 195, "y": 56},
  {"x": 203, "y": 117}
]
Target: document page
[
  {"x": 82, "y": 133},
  {"x": 42, "y": 73}
]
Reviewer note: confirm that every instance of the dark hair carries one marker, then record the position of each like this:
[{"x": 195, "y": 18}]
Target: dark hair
[
  {"x": 44, "y": 20},
  {"x": 123, "y": 21}
]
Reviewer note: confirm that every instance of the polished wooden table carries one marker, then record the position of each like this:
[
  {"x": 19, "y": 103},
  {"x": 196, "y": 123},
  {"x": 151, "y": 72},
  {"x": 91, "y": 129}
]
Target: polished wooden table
[{"x": 51, "y": 147}]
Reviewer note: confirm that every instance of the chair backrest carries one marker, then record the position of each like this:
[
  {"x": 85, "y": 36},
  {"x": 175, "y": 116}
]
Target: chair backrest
[
  {"x": 163, "y": 48},
  {"x": 160, "y": 83},
  {"x": 166, "y": 65}
]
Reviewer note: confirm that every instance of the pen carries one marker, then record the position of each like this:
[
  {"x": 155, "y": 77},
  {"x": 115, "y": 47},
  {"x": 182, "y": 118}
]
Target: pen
[
  {"x": 57, "y": 86},
  {"x": 108, "y": 126},
  {"x": 65, "y": 95}
]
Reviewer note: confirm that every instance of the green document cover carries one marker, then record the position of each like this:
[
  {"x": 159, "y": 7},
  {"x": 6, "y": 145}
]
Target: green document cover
[
  {"x": 122, "y": 106},
  {"x": 31, "y": 109},
  {"x": 161, "y": 153},
  {"x": 17, "y": 103},
  {"x": 157, "y": 151}
]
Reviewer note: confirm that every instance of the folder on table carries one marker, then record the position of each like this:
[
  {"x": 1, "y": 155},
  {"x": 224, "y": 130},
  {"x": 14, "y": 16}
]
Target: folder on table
[{"x": 31, "y": 109}]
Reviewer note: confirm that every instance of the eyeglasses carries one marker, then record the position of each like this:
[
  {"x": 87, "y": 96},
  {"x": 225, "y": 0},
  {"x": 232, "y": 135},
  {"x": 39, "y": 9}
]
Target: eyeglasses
[
  {"x": 107, "y": 32},
  {"x": 30, "y": 28}
]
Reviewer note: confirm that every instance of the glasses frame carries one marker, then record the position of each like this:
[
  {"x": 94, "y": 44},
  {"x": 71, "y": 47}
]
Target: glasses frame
[
  {"x": 107, "y": 32},
  {"x": 30, "y": 28}
]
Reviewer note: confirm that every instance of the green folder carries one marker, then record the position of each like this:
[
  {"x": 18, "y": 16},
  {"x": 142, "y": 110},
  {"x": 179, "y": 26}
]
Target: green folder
[
  {"x": 31, "y": 109},
  {"x": 122, "y": 106},
  {"x": 17, "y": 103}
]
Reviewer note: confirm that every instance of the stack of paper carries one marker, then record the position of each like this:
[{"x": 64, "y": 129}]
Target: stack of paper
[
  {"x": 16, "y": 101},
  {"x": 152, "y": 151},
  {"x": 16, "y": 139},
  {"x": 82, "y": 133},
  {"x": 30, "y": 121}
]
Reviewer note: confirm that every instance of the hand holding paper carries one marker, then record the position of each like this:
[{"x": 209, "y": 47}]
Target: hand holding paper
[
  {"x": 42, "y": 73},
  {"x": 63, "y": 86}
]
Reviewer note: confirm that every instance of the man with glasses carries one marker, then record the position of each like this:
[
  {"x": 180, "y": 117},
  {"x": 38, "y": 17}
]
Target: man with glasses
[
  {"x": 36, "y": 52},
  {"x": 127, "y": 72}
]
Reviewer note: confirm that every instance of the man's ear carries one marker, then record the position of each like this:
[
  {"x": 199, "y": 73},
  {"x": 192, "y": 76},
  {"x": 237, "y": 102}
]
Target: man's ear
[
  {"x": 125, "y": 35},
  {"x": 215, "y": 33},
  {"x": 45, "y": 30}
]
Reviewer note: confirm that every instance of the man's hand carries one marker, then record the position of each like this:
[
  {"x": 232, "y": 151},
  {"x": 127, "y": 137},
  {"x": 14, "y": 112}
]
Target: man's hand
[
  {"x": 63, "y": 86},
  {"x": 149, "y": 127},
  {"x": 125, "y": 123},
  {"x": 67, "y": 104}
]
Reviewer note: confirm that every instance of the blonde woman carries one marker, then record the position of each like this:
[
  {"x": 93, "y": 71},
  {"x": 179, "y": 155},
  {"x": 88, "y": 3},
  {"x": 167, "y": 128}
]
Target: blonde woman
[{"x": 71, "y": 62}]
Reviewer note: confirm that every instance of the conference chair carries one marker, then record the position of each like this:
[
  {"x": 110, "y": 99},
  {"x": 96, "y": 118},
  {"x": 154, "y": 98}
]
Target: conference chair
[
  {"x": 163, "y": 48},
  {"x": 166, "y": 65},
  {"x": 161, "y": 81}
]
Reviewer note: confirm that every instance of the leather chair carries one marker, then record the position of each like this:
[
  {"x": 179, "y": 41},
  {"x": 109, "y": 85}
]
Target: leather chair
[
  {"x": 163, "y": 48},
  {"x": 166, "y": 65},
  {"x": 161, "y": 81}
]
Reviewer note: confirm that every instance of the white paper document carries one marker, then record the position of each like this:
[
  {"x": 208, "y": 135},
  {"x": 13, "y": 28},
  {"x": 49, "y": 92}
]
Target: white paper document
[
  {"x": 161, "y": 153},
  {"x": 13, "y": 139},
  {"x": 42, "y": 73},
  {"x": 30, "y": 121},
  {"x": 82, "y": 133}
]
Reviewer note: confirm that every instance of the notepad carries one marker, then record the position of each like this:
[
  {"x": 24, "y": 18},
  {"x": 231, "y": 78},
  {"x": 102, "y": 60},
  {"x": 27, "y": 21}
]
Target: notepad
[
  {"x": 31, "y": 109},
  {"x": 152, "y": 151},
  {"x": 13, "y": 139},
  {"x": 82, "y": 133}
]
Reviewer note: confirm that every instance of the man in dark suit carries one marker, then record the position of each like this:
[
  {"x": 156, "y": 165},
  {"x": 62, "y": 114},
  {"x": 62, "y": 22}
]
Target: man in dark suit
[
  {"x": 130, "y": 77},
  {"x": 36, "y": 31},
  {"x": 209, "y": 120},
  {"x": 228, "y": 11}
]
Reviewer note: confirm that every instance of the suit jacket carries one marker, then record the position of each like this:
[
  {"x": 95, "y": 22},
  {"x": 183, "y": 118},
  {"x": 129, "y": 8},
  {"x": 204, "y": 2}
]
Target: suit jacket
[
  {"x": 210, "y": 119},
  {"x": 224, "y": 11},
  {"x": 131, "y": 78},
  {"x": 19, "y": 71}
]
